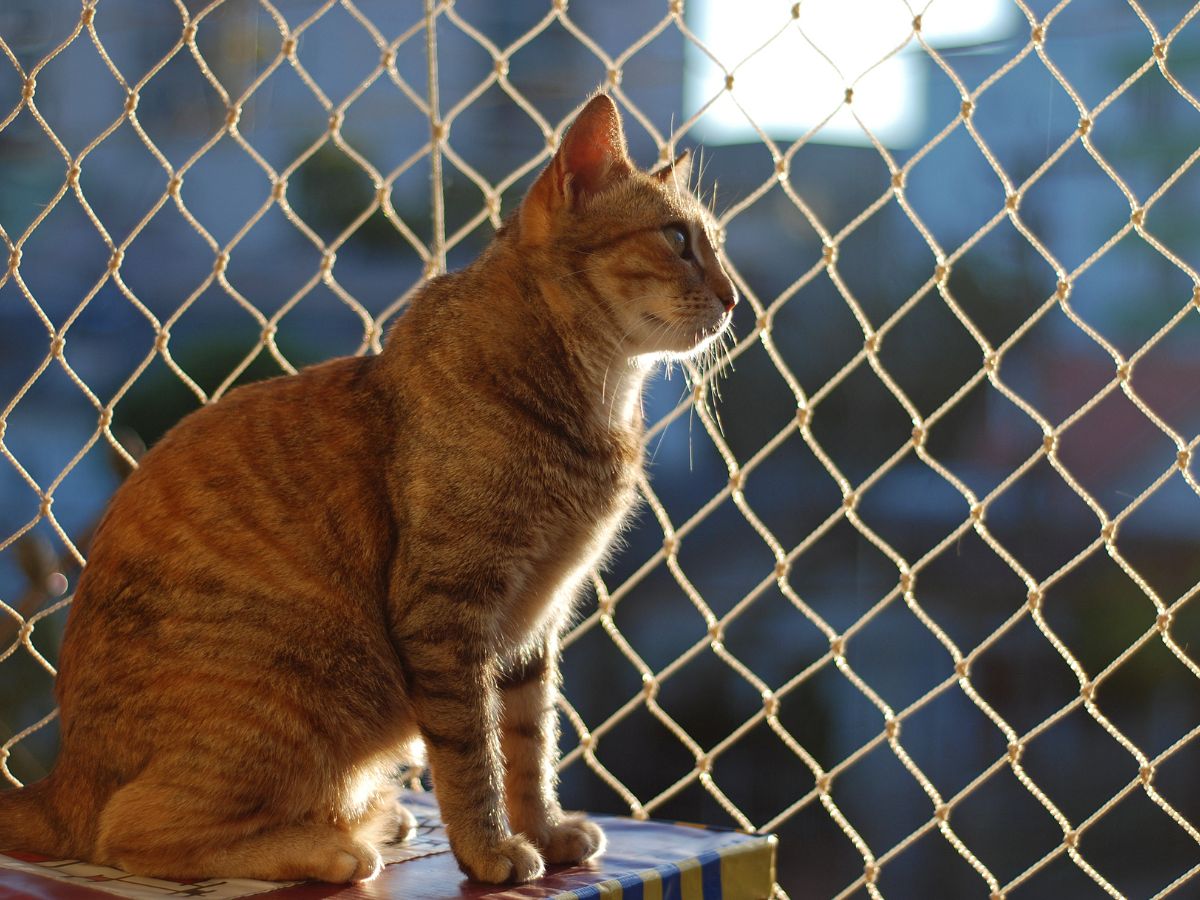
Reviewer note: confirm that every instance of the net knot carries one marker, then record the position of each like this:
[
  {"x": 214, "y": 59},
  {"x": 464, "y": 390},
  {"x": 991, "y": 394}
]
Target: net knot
[
  {"x": 613, "y": 77},
  {"x": 962, "y": 668},
  {"x": 942, "y": 812},
  {"x": 73, "y": 175},
  {"x": 1038, "y": 34},
  {"x": 704, "y": 764},
  {"x": 676, "y": 7},
  {"x": 906, "y": 581},
  {"x": 279, "y": 189},
  {"x": 1062, "y": 289},
  {"x": 829, "y": 254},
  {"x": 44, "y": 506},
  {"x": 1146, "y": 774},
  {"x": 898, "y": 180},
  {"x": 729, "y": 82},
  {"x": 560, "y": 6},
  {"x": 916, "y": 23},
  {"x": 1109, "y": 531},
  {"x": 14, "y": 258},
  {"x": 940, "y": 272},
  {"x": 114, "y": 261},
  {"x": 990, "y": 361},
  {"x": 848, "y": 97},
  {"x": 781, "y": 568},
  {"x": 1050, "y": 443},
  {"x": 649, "y": 686},
  {"x": 1138, "y": 217},
  {"x": 977, "y": 512},
  {"x": 795, "y": 10},
  {"x": 268, "y": 332},
  {"x": 781, "y": 169},
  {"x": 1163, "y": 622},
  {"x": 1085, "y": 126},
  {"x": 1123, "y": 371},
  {"x": 871, "y": 872},
  {"x": 824, "y": 782},
  {"x": 174, "y": 183},
  {"x": 105, "y": 417},
  {"x": 1196, "y": 296},
  {"x": 1015, "y": 749},
  {"x": 28, "y": 88},
  {"x": 715, "y": 632},
  {"x": 500, "y": 66},
  {"x": 770, "y": 704},
  {"x": 338, "y": 116},
  {"x": 1160, "y": 50},
  {"x": 837, "y": 646},
  {"x": 86, "y": 17},
  {"x": 220, "y": 262},
  {"x": 288, "y": 47},
  {"x": 737, "y": 480},
  {"x": 670, "y": 545},
  {"x": 232, "y": 116},
  {"x": 803, "y": 416},
  {"x": 189, "y": 32},
  {"x": 1087, "y": 691},
  {"x": 850, "y": 500},
  {"x": 1012, "y": 201},
  {"x": 968, "y": 109},
  {"x": 56, "y": 345},
  {"x": 328, "y": 258},
  {"x": 892, "y": 728},
  {"x": 1183, "y": 458},
  {"x": 918, "y": 435},
  {"x": 1034, "y": 599},
  {"x": 1071, "y": 838},
  {"x": 871, "y": 344},
  {"x": 162, "y": 339},
  {"x": 763, "y": 325}
]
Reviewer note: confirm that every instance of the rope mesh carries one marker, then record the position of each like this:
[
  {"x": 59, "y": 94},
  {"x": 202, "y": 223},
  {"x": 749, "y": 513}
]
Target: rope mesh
[{"x": 587, "y": 738}]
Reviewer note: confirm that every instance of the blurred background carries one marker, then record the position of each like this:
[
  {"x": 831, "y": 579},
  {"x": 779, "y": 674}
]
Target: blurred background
[{"x": 835, "y": 228}]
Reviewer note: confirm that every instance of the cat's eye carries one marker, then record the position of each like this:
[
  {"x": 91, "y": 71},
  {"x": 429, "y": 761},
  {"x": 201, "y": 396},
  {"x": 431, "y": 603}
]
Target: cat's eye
[{"x": 679, "y": 240}]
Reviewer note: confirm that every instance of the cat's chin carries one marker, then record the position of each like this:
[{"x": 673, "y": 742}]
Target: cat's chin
[{"x": 688, "y": 348}]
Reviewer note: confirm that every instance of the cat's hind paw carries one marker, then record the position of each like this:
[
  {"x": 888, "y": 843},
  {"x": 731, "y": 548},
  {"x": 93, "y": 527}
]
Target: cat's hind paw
[
  {"x": 404, "y": 825},
  {"x": 514, "y": 859},
  {"x": 572, "y": 840},
  {"x": 351, "y": 863}
]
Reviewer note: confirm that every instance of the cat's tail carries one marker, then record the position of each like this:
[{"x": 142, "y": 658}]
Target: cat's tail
[{"x": 23, "y": 821}]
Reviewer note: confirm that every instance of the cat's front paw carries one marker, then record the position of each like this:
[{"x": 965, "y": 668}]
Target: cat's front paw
[
  {"x": 572, "y": 840},
  {"x": 513, "y": 859}
]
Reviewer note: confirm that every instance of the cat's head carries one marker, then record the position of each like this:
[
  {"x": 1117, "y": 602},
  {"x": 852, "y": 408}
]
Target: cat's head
[{"x": 636, "y": 248}]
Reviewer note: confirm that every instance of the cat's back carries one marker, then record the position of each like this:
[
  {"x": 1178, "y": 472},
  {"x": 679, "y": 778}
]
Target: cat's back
[
  {"x": 268, "y": 461},
  {"x": 255, "y": 518}
]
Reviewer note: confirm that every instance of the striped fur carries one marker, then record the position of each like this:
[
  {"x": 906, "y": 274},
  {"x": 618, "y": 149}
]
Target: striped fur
[{"x": 304, "y": 583}]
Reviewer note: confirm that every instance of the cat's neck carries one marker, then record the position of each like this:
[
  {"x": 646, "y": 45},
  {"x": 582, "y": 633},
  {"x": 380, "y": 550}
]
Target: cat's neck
[{"x": 610, "y": 381}]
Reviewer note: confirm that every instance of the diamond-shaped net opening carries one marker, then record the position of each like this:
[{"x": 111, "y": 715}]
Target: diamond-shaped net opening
[{"x": 915, "y": 581}]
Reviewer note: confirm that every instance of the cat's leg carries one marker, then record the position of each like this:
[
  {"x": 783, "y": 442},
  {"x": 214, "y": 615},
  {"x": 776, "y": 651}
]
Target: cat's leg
[
  {"x": 160, "y": 830},
  {"x": 530, "y": 743},
  {"x": 452, "y": 689}
]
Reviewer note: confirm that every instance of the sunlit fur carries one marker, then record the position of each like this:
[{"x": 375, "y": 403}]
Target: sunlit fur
[{"x": 308, "y": 581}]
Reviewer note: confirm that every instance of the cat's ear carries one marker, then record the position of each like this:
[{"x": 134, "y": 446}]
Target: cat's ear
[
  {"x": 679, "y": 171},
  {"x": 592, "y": 156}
]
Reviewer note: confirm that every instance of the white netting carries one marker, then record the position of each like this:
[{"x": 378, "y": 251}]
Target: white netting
[{"x": 396, "y": 61}]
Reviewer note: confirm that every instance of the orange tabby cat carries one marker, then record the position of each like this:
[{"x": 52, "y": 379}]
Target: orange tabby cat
[{"x": 305, "y": 581}]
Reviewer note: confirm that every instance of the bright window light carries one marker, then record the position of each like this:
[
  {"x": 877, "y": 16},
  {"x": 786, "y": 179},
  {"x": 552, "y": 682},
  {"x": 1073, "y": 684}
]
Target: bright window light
[{"x": 789, "y": 85}]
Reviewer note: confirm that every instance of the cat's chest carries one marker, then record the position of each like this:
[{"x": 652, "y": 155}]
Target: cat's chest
[{"x": 573, "y": 529}]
